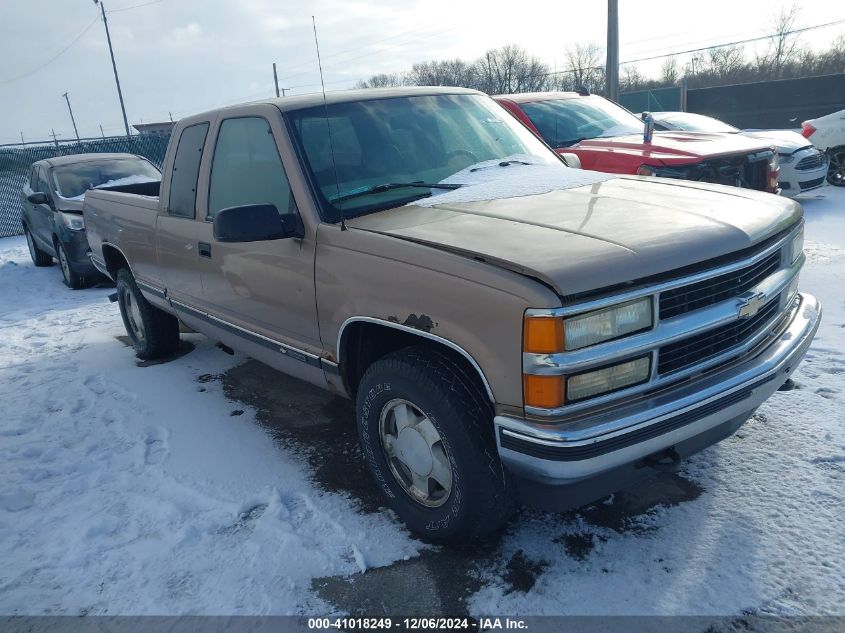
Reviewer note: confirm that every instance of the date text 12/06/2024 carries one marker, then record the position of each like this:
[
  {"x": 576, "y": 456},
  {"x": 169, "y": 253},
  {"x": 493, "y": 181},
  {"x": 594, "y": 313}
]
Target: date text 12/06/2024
[{"x": 417, "y": 624}]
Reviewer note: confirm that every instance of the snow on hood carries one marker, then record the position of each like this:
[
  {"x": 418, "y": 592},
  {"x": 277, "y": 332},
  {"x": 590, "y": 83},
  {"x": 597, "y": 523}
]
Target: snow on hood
[
  {"x": 490, "y": 181},
  {"x": 117, "y": 182}
]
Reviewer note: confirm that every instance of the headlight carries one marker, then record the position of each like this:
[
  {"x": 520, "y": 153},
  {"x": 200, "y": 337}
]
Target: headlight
[
  {"x": 73, "y": 221},
  {"x": 607, "y": 324},
  {"x": 609, "y": 379},
  {"x": 785, "y": 159},
  {"x": 797, "y": 246}
]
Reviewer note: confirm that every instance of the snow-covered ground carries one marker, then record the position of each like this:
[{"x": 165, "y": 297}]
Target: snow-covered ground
[{"x": 128, "y": 489}]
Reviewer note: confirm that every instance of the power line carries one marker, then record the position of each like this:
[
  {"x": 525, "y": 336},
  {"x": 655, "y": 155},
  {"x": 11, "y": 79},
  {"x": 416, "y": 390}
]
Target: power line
[
  {"x": 53, "y": 58},
  {"x": 135, "y": 6},
  {"x": 735, "y": 43}
]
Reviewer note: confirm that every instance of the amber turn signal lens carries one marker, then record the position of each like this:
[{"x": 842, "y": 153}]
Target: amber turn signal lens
[
  {"x": 545, "y": 392},
  {"x": 542, "y": 335}
]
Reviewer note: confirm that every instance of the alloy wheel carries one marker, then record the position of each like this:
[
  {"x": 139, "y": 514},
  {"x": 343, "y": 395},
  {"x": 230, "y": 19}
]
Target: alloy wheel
[
  {"x": 416, "y": 453},
  {"x": 133, "y": 315},
  {"x": 836, "y": 169}
]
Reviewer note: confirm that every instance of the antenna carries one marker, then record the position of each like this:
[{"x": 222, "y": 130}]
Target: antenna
[{"x": 329, "y": 127}]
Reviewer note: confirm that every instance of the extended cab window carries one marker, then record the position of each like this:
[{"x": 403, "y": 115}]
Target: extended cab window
[
  {"x": 247, "y": 169},
  {"x": 186, "y": 169}
]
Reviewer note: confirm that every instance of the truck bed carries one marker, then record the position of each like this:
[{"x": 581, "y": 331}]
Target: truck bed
[{"x": 115, "y": 218}]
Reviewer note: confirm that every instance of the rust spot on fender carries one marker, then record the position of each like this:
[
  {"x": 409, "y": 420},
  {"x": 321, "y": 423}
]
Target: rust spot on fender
[{"x": 422, "y": 322}]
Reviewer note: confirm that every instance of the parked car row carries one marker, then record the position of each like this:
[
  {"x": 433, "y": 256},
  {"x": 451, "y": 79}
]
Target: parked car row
[
  {"x": 607, "y": 137},
  {"x": 803, "y": 167},
  {"x": 511, "y": 330}
]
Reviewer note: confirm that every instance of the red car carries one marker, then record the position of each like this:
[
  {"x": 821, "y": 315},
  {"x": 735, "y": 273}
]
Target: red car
[{"x": 607, "y": 137}]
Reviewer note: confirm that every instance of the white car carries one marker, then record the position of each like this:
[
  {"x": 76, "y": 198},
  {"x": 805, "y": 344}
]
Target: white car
[
  {"x": 828, "y": 134},
  {"x": 802, "y": 166}
]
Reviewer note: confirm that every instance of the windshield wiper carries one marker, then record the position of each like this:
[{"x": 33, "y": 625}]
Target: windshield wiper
[
  {"x": 504, "y": 163},
  {"x": 393, "y": 185}
]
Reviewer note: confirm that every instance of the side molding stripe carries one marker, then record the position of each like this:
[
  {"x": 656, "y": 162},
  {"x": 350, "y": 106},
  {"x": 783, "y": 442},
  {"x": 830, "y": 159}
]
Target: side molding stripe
[{"x": 258, "y": 339}]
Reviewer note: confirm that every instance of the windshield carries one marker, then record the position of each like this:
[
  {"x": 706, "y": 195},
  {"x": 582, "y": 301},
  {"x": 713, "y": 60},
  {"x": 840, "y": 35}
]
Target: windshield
[
  {"x": 564, "y": 122},
  {"x": 72, "y": 181},
  {"x": 402, "y": 140},
  {"x": 688, "y": 122}
]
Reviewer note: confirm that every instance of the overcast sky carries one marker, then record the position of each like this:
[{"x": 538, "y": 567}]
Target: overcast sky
[{"x": 185, "y": 56}]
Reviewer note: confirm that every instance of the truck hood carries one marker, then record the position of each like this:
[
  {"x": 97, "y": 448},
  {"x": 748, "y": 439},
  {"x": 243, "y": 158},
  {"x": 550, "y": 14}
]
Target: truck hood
[
  {"x": 596, "y": 236},
  {"x": 675, "y": 147},
  {"x": 785, "y": 141}
]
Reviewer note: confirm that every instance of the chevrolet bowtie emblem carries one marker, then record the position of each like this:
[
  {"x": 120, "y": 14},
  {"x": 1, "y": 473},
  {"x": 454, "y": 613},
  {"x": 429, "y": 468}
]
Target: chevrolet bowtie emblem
[{"x": 749, "y": 304}]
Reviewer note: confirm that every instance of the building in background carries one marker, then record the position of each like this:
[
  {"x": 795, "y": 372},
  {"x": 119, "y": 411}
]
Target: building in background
[{"x": 154, "y": 129}]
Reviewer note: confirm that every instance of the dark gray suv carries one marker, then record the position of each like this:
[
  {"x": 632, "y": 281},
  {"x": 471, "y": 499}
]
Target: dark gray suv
[{"x": 51, "y": 206}]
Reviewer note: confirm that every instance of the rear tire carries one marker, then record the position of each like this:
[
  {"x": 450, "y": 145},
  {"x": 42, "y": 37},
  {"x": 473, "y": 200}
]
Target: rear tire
[
  {"x": 418, "y": 397},
  {"x": 836, "y": 167},
  {"x": 39, "y": 257},
  {"x": 153, "y": 332},
  {"x": 72, "y": 278}
]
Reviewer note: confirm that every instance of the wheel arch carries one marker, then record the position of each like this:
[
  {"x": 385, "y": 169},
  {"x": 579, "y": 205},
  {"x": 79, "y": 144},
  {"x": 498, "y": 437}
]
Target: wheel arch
[
  {"x": 363, "y": 340},
  {"x": 115, "y": 259}
]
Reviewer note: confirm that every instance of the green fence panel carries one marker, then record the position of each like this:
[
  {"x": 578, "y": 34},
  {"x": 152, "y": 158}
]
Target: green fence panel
[
  {"x": 16, "y": 160},
  {"x": 657, "y": 100}
]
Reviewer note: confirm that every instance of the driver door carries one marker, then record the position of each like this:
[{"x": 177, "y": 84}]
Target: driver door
[{"x": 263, "y": 288}]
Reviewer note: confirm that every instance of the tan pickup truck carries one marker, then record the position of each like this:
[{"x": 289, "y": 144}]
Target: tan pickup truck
[{"x": 510, "y": 328}]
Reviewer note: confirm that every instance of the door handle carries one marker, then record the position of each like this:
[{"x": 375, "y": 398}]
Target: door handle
[{"x": 204, "y": 249}]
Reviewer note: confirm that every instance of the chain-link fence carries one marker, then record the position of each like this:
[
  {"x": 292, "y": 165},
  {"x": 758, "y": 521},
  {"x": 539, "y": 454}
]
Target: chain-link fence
[{"x": 16, "y": 160}]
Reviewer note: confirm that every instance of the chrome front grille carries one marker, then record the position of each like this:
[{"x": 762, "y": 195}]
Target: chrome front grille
[
  {"x": 707, "y": 318},
  {"x": 704, "y": 293},
  {"x": 701, "y": 347},
  {"x": 810, "y": 162}
]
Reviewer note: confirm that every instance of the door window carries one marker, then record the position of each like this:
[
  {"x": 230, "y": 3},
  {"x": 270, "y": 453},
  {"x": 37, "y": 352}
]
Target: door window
[
  {"x": 41, "y": 184},
  {"x": 247, "y": 169},
  {"x": 186, "y": 169}
]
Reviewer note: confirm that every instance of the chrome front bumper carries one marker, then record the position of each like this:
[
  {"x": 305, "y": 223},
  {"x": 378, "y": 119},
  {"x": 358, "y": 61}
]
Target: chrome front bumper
[{"x": 588, "y": 446}]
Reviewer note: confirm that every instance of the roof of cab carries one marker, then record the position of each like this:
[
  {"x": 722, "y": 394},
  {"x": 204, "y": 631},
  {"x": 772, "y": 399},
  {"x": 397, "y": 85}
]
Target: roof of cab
[
  {"x": 300, "y": 102},
  {"x": 529, "y": 97},
  {"x": 71, "y": 159}
]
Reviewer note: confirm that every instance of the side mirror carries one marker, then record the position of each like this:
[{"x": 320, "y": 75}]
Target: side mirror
[
  {"x": 38, "y": 197},
  {"x": 571, "y": 160},
  {"x": 255, "y": 223}
]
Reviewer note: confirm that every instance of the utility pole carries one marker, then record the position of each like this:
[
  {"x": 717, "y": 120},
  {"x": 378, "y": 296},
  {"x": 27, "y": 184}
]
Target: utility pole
[
  {"x": 170, "y": 114},
  {"x": 612, "y": 70},
  {"x": 114, "y": 67},
  {"x": 72, "y": 120},
  {"x": 22, "y": 141},
  {"x": 103, "y": 134},
  {"x": 276, "y": 80},
  {"x": 55, "y": 139}
]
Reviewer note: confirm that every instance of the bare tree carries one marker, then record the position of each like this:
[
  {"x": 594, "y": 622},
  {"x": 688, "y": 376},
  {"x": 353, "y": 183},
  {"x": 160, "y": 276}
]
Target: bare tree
[
  {"x": 382, "y": 80},
  {"x": 632, "y": 78},
  {"x": 450, "y": 72},
  {"x": 783, "y": 48},
  {"x": 724, "y": 62},
  {"x": 670, "y": 73},
  {"x": 510, "y": 69},
  {"x": 584, "y": 65}
]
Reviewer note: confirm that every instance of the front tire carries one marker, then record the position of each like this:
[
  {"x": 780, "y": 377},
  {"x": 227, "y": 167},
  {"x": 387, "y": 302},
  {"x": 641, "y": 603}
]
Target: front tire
[
  {"x": 836, "y": 167},
  {"x": 72, "y": 278},
  {"x": 153, "y": 332},
  {"x": 426, "y": 431},
  {"x": 39, "y": 257}
]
